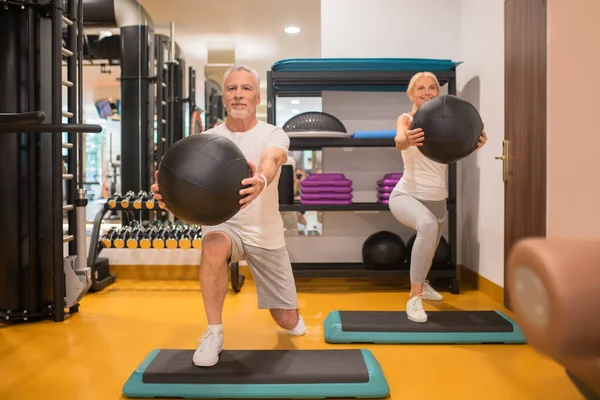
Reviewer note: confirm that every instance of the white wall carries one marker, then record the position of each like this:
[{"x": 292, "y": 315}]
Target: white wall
[
  {"x": 378, "y": 29},
  {"x": 468, "y": 30},
  {"x": 480, "y": 185},
  {"x": 390, "y": 28}
]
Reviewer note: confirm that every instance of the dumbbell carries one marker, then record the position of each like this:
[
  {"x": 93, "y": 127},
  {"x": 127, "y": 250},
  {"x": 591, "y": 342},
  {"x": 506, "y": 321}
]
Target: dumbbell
[
  {"x": 107, "y": 239},
  {"x": 138, "y": 201},
  {"x": 126, "y": 200},
  {"x": 553, "y": 290},
  {"x": 112, "y": 201}
]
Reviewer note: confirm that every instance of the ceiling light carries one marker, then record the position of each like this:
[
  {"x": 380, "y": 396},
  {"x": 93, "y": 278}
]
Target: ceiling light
[
  {"x": 292, "y": 30},
  {"x": 295, "y": 101}
]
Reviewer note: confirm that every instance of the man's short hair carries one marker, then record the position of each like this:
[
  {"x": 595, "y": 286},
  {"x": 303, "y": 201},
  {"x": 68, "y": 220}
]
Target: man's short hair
[{"x": 239, "y": 67}]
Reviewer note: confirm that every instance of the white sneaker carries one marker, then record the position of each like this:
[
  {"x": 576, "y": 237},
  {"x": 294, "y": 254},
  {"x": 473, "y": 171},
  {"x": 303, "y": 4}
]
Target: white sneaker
[
  {"x": 429, "y": 293},
  {"x": 415, "y": 311},
  {"x": 211, "y": 345},
  {"x": 300, "y": 328}
]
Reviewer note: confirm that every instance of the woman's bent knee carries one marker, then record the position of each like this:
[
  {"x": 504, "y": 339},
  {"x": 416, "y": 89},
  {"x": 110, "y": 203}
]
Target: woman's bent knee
[{"x": 427, "y": 227}]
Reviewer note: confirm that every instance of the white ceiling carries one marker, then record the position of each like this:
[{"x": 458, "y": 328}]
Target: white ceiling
[
  {"x": 248, "y": 32},
  {"x": 252, "y": 30}
]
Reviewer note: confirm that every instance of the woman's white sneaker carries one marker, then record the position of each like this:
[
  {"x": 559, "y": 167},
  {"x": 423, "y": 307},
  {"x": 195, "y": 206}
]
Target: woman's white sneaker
[{"x": 429, "y": 293}]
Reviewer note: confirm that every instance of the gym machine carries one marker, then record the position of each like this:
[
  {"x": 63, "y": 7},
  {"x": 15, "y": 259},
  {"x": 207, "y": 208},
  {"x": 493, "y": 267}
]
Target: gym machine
[
  {"x": 170, "y": 103},
  {"x": 38, "y": 278},
  {"x": 143, "y": 142},
  {"x": 213, "y": 97},
  {"x": 153, "y": 107}
]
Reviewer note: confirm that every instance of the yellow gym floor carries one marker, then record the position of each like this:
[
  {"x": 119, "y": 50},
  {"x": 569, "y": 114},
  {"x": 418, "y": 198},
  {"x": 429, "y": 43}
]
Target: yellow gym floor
[{"x": 90, "y": 355}]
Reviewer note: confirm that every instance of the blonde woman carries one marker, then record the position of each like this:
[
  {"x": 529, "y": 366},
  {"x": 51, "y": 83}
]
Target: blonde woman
[{"x": 418, "y": 200}]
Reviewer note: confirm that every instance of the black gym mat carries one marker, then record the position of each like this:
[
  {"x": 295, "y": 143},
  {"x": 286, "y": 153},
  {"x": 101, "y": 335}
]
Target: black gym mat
[
  {"x": 259, "y": 374},
  {"x": 441, "y": 327},
  {"x": 260, "y": 367},
  {"x": 437, "y": 321}
]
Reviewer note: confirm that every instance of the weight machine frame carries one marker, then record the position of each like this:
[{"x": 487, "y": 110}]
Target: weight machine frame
[{"x": 37, "y": 279}]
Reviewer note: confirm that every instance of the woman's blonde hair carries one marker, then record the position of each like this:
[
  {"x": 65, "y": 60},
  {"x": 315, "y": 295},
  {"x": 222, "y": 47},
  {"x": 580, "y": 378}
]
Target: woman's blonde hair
[{"x": 413, "y": 80}]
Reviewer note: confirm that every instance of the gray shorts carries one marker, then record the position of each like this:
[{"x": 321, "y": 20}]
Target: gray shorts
[{"x": 271, "y": 270}]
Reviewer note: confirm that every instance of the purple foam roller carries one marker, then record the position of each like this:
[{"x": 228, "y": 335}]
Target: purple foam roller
[
  {"x": 385, "y": 189},
  {"x": 327, "y": 202},
  {"x": 393, "y": 175},
  {"x": 326, "y": 196},
  {"x": 324, "y": 182},
  {"x": 388, "y": 182},
  {"x": 326, "y": 189},
  {"x": 327, "y": 176}
]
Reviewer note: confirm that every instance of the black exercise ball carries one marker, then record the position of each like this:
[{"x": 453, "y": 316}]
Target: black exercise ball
[
  {"x": 383, "y": 250},
  {"x": 451, "y": 126},
  {"x": 200, "y": 178},
  {"x": 441, "y": 258}
]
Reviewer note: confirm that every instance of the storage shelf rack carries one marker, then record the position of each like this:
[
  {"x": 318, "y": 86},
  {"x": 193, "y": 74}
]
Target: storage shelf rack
[{"x": 310, "y": 77}]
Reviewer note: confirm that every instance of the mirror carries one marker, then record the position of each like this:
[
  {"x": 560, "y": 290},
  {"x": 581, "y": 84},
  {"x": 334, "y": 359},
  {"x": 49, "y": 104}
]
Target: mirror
[{"x": 304, "y": 223}]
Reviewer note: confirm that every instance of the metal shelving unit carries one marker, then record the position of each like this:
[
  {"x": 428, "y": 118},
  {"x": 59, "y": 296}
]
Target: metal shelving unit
[{"x": 312, "y": 83}]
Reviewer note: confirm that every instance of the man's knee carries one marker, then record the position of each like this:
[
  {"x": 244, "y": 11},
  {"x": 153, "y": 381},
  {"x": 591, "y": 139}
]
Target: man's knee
[
  {"x": 287, "y": 319},
  {"x": 216, "y": 248}
]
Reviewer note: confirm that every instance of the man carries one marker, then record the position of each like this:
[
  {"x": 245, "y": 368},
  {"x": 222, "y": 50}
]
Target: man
[{"x": 256, "y": 231}]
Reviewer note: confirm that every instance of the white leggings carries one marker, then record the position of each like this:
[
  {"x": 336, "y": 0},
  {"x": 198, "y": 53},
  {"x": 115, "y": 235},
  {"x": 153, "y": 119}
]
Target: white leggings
[{"x": 427, "y": 218}]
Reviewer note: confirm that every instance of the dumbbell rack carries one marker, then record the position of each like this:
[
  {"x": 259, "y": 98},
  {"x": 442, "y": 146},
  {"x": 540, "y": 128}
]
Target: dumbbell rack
[
  {"x": 101, "y": 276},
  {"x": 157, "y": 235}
]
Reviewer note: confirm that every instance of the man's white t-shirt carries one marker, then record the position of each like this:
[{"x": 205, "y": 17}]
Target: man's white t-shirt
[{"x": 260, "y": 224}]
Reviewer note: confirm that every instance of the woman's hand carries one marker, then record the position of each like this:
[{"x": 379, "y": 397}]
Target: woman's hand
[
  {"x": 415, "y": 137},
  {"x": 406, "y": 137},
  {"x": 482, "y": 139}
]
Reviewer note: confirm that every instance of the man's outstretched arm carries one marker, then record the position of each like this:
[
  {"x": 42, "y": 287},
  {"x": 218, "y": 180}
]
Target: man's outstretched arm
[{"x": 271, "y": 159}]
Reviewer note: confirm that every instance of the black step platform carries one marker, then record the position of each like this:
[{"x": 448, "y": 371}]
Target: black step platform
[
  {"x": 307, "y": 374},
  {"x": 441, "y": 327}
]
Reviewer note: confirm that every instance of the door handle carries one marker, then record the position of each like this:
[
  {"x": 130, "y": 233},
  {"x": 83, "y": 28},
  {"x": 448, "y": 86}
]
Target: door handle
[{"x": 504, "y": 158}]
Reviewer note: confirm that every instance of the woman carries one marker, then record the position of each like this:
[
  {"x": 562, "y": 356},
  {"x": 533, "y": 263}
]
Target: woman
[{"x": 419, "y": 199}]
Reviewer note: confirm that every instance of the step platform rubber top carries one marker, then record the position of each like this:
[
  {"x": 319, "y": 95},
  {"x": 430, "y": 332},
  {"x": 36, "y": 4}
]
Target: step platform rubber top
[
  {"x": 465, "y": 327},
  {"x": 299, "y": 374}
]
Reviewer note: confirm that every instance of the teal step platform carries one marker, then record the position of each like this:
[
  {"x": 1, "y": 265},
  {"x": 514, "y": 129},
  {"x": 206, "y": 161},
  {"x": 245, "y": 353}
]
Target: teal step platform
[
  {"x": 283, "y": 374},
  {"x": 393, "y": 327}
]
